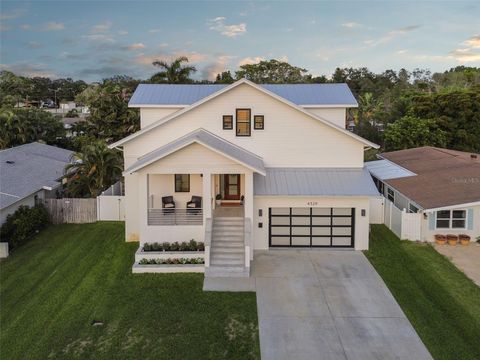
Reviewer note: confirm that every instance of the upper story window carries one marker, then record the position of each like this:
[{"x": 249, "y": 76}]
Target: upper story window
[
  {"x": 258, "y": 122},
  {"x": 451, "y": 219},
  {"x": 227, "y": 122},
  {"x": 412, "y": 208},
  {"x": 182, "y": 183},
  {"x": 244, "y": 126}
]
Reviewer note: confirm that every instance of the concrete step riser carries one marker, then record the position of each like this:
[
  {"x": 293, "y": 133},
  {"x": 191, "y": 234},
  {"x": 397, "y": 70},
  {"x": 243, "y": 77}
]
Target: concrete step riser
[
  {"x": 227, "y": 244},
  {"x": 237, "y": 250},
  {"x": 227, "y": 257}
]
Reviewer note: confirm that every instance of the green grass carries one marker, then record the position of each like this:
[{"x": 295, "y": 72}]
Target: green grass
[
  {"x": 54, "y": 287},
  {"x": 439, "y": 300}
]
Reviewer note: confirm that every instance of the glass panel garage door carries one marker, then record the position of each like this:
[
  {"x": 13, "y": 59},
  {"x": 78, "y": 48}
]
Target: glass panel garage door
[{"x": 311, "y": 227}]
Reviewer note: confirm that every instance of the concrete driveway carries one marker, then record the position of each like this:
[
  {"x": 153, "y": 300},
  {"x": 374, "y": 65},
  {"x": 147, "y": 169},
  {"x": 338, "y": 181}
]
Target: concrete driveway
[
  {"x": 466, "y": 258},
  {"x": 316, "y": 304}
]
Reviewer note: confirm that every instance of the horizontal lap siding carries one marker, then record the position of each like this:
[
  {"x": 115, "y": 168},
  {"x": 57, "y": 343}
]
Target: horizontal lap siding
[{"x": 290, "y": 138}]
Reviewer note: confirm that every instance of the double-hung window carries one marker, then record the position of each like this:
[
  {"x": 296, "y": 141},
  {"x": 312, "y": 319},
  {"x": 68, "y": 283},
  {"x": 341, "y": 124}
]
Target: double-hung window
[
  {"x": 227, "y": 122},
  {"x": 390, "y": 195},
  {"x": 451, "y": 219},
  {"x": 244, "y": 126}
]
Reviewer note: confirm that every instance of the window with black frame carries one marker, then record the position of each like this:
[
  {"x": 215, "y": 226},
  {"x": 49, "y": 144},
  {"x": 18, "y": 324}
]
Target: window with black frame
[
  {"x": 243, "y": 122},
  {"x": 227, "y": 122},
  {"x": 258, "y": 122},
  {"x": 182, "y": 183}
]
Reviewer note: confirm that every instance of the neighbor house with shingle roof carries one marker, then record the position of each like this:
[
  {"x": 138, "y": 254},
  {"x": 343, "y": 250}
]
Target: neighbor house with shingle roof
[
  {"x": 442, "y": 184},
  {"x": 30, "y": 173}
]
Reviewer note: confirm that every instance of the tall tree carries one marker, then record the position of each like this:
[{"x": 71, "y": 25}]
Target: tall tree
[
  {"x": 93, "y": 170},
  {"x": 174, "y": 72},
  {"x": 271, "y": 72}
]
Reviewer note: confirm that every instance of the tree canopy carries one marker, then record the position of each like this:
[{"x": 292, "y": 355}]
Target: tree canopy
[{"x": 174, "y": 72}]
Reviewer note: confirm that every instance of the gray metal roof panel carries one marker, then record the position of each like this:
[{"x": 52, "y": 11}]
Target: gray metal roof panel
[
  {"x": 204, "y": 137},
  {"x": 299, "y": 94},
  {"x": 34, "y": 166},
  {"x": 314, "y": 182},
  {"x": 385, "y": 170}
]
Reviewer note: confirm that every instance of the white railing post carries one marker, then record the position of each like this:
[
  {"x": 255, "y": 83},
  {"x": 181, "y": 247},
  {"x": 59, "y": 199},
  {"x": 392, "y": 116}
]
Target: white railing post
[
  {"x": 208, "y": 240},
  {"x": 247, "y": 240}
]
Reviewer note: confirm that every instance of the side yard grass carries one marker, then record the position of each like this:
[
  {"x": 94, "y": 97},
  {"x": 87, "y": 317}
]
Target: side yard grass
[
  {"x": 69, "y": 276},
  {"x": 439, "y": 300}
]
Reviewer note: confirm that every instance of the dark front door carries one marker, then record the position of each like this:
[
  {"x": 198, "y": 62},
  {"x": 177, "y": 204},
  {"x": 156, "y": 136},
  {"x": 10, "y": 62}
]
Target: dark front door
[{"x": 232, "y": 186}]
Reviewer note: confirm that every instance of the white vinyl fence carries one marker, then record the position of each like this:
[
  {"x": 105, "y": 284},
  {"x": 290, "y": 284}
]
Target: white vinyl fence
[
  {"x": 111, "y": 208},
  {"x": 407, "y": 226}
]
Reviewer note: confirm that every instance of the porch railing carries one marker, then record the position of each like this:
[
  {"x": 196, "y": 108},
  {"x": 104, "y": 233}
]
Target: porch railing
[{"x": 176, "y": 216}]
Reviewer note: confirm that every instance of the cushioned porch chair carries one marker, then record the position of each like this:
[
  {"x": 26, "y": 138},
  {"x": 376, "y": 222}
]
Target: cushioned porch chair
[
  {"x": 194, "y": 205},
  {"x": 168, "y": 204}
]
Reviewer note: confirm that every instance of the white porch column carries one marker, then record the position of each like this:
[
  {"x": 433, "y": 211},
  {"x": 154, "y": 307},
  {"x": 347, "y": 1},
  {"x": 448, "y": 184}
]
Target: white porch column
[
  {"x": 207, "y": 196},
  {"x": 248, "y": 205},
  {"x": 143, "y": 193}
]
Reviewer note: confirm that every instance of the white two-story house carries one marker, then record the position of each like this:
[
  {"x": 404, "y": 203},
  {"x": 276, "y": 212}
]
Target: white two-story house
[{"x": 246, "y": 167}]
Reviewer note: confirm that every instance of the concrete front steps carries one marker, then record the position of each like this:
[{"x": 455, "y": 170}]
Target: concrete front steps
[{"x": 227, "y": 252}]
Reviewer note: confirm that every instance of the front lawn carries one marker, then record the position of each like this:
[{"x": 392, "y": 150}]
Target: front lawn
[
  {"x": 53, "y": 288},
  {"x": 439, "y": 300}
]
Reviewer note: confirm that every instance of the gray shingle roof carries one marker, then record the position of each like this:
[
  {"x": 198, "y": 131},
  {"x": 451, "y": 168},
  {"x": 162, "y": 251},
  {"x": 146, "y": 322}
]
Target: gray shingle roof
[
  {"x": 314, "y": 181},
  {"x": 205, "y": 137},
  {"x": 299, "y": 94},
  {"x": 34, "y": 166}
]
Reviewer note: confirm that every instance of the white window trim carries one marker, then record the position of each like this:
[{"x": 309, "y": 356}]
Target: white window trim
[
  {"x": 450, "y": 219},
  {"x": 393, "y": 191}
]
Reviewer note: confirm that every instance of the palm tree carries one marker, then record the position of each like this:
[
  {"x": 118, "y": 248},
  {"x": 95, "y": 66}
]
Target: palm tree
[
  {"x": 173, "y": 73},
  {"x": 93, "y": 169}
]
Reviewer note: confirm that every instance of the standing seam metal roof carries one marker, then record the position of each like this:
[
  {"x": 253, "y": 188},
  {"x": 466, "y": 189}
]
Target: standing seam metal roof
[
  {"x": 299, "y": 94},
  {"x": 314, "y": 181},
  {"x": 384, "y": 170},
  {"x": 204, "y": 137}
]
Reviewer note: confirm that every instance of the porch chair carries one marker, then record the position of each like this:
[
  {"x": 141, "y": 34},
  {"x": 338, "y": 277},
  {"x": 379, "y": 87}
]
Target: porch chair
[
  {"x": 168, "y": 205},
  {"x": 194, "y": 205}
]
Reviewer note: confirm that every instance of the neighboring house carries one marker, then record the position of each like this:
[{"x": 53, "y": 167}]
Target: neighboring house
[
  {"x": 286, "y": 171},
  {"x": 443, "y": 185},
  {"x": 28, "y": 174}
]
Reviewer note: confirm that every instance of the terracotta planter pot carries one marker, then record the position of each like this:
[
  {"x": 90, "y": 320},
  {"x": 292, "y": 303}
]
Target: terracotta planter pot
[
  {"x": 440, "y": 239},
  {"x": 464, "y": 239},
  {"x": 452, "y": 239}
]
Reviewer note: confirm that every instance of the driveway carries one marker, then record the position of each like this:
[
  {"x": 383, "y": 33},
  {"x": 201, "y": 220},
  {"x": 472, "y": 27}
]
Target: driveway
[
  {"x": 466, "y": 258},
  {"x": 318, "y": 304}
]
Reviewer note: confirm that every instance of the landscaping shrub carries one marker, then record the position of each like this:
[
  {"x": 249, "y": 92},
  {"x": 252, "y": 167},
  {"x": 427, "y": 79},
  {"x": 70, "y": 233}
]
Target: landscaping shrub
[
  {"x": 23, "y": 224},
  {"x": 182, "y": 261},
  {"x": 192, "y": 245},
  {"x": 73, "y": 113}
]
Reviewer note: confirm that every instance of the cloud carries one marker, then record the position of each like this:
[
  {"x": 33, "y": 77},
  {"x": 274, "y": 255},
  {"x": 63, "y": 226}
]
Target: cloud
[
  {"x": 163, "y": 45},
  {"x": 465, "y": 55},
  {"x": 101, "y": 28},
  {"x": 102, "y": 38},
  {"x": 351, "y": 25},
  {"x": 219, "y": 65},
  {"x": 122, "y": 32},
  {"x": 250, "y": 60},
  {"x": 103, "y": 71},
  {"x": 14, "y": 14},
  {"x": 391, "y": 35},
  {"x": 29, "y": 69},
  {"x": 4, "y": 27},
  {"x": 135, "y": 46},
  {"x": 153, "y": 31},
  {"x": 33, "y": 45},
  {"x": 473, "y": 42},
  {"x": 53, "y": 26},
  {"x": 25, "y": 26},
  {"x": 218, "y": 24}
]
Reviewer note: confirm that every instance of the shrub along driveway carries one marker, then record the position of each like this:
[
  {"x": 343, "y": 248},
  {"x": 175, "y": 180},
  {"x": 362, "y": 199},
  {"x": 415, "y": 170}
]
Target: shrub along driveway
[
  {"x": 439, "y": 300},
  {"x": 54, "y": 287}
]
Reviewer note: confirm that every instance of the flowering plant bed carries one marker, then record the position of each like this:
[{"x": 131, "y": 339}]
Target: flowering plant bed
[
  {"x": 172, "y": 261},
  {"x": 192, "y": 245}
]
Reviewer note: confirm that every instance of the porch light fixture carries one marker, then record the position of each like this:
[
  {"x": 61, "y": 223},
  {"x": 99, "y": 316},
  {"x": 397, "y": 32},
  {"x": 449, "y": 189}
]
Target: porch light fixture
[
  {"x": 260, "y": 212},
  {"x": 364, "y": 212}
]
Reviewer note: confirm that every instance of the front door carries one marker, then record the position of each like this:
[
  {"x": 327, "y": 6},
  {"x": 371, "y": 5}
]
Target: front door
[{"x": 232, "y": 186}]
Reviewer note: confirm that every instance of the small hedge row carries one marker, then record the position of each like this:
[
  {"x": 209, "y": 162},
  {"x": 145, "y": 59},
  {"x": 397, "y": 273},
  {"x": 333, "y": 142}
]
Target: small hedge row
[
  {"x": 23, "y": 224},
  {"x": 192, "y": 245},
  {"x": 182, "y": 261}
]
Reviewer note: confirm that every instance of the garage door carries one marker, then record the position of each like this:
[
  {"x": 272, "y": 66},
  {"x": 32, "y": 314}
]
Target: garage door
[{"x": 311, "y": 227}]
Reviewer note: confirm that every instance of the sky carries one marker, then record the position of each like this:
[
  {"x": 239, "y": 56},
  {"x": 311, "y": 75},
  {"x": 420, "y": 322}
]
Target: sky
[{"x": 91, "y": 40}]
